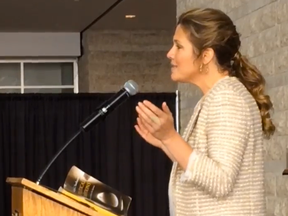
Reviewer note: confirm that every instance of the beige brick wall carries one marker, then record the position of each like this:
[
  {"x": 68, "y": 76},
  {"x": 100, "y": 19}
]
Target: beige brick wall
[
  {"x": 264, "y": 28},
  {"x": 113, "y": 57}
]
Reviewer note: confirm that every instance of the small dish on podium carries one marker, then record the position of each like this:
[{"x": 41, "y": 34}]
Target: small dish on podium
[{"x": 91, "y": 192}]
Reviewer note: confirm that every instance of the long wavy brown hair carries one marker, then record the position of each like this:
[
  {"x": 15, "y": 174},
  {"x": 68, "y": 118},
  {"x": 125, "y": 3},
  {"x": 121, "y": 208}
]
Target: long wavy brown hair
[{"x": 212, "y": 28}]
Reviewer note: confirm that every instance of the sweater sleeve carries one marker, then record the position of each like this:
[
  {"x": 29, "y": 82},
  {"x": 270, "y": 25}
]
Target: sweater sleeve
[{"x": 227, "y": 134}]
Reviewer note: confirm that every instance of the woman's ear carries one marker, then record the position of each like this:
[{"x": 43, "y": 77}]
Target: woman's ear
[{"x": 207, "y": 56}]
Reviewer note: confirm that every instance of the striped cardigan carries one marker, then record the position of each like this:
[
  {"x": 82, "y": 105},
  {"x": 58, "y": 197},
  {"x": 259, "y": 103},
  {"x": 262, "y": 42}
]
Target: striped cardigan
[{"x": 226, "y": 174}]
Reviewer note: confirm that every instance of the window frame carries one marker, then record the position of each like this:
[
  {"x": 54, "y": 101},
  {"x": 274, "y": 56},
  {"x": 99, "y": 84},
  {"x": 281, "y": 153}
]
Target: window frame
[{"x": 75, "y": 85}]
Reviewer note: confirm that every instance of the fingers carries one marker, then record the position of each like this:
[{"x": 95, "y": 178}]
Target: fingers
[
  {"x": 139, "y": 131},
  {"x": 141, "y": 128},
  {"x": 166, "y": 108},
  {"x": 153, "y": 108},
  {"x": 144, "y": 126},
  {"x": 147, "y": 115},
  {"x": 151, "y": 116}
]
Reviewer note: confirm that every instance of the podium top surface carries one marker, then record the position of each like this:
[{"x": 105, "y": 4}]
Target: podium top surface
[{"x": 58, "y": 197}]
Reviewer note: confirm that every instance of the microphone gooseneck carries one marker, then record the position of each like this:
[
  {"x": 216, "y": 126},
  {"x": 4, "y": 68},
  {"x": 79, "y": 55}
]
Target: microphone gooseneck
[
  {"x": 57, "y": 155},
  {"x": 130, "y": 88}
]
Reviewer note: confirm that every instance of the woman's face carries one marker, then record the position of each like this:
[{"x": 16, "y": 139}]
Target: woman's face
[{"x": 184, "y": 64}]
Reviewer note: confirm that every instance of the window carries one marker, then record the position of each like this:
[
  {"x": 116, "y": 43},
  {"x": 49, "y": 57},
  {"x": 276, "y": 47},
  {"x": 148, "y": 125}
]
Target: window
[{"x": 38, "y": 76}]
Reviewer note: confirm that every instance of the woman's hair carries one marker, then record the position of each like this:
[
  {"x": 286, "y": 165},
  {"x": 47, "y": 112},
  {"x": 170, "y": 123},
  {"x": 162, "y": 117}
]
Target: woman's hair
[{"x": 212, "y": 28}]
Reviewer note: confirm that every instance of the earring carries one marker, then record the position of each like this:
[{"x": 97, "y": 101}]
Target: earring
[{"x": 201, "y": 68}]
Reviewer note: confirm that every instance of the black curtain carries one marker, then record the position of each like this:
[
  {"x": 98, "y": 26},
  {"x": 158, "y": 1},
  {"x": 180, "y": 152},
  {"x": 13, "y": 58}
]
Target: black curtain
[{"x": 33, "y": 127}]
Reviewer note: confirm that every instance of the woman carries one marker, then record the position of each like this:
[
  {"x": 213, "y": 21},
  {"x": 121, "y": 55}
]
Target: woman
[{"x": 218, "y": 164}]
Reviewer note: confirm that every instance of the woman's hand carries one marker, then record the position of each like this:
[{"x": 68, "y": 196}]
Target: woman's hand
[
  {"x": 146, "y": 135},
  {"x": 157, "y": 123}
]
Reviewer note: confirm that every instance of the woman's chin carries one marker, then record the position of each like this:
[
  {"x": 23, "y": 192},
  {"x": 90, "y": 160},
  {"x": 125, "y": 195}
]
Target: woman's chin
[{"x": 175, "y": 77}]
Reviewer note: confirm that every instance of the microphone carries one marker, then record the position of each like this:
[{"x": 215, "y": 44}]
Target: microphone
[{"x": 130, "y": 88}]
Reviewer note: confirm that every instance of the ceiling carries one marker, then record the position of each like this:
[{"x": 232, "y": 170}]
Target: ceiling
[{"x": 78, "y": 15}]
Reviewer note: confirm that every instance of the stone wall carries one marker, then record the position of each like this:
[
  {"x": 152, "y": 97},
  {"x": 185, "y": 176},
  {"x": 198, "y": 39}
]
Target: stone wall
[
  {"x": 264, "y": 28},
  {"x": 113, "y": 57}
]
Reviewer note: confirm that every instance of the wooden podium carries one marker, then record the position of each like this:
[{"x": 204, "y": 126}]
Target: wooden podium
[{"x": 30, "y": 199}]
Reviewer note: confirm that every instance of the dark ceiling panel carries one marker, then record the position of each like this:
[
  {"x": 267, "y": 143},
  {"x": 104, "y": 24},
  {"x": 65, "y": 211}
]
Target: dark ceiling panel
[
  {"x": 75, "y": 15},
  {"x": 150, "y": 14}
]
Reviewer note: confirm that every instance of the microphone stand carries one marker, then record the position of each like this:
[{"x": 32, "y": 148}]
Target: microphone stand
[
  {"x": 130, "y": 88},
  {"x": 58, "y": 153},
  {"x": 86, "y": 123}
]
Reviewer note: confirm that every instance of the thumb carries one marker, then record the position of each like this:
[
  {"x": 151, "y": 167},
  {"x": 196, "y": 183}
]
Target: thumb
[{"x": 166, "y": 108}]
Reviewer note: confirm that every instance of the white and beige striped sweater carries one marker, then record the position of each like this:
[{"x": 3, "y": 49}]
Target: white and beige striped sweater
[{"x": 226, "y": 175}]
